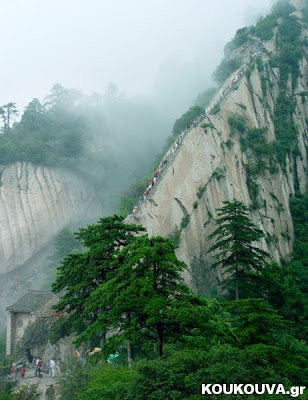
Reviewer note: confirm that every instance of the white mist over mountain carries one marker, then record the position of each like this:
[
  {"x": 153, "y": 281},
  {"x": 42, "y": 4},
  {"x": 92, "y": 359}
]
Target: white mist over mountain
[{"x": 138, "y": 45}]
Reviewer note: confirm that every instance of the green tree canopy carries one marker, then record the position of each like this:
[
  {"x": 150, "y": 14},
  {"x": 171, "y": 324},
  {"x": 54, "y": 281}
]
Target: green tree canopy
[
  {"x": 186, "y": 119},
  {"x": 7, "y": 113},
  {"x": 234, "y": 237},
  {"x": 225, "y": 69},
  {"x": 81, "y": 273},
  {"x": 143, "y": 296},
  {"x": 34, "y": 116}
]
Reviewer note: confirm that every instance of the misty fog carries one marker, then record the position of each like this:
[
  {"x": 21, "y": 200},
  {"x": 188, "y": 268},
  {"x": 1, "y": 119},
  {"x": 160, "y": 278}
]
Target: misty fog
[{"x": 139, "y": 66}]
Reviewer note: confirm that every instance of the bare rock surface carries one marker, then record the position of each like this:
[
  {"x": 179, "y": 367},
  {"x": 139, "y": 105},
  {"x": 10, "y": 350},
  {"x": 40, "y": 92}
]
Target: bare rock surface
[{"x": 212, "y": 161}]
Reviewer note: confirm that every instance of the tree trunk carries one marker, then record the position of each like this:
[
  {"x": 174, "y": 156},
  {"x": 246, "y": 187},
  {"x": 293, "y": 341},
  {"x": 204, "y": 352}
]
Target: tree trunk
[
  {"x": 130, "y": 349},
  {"x": 130, "y": 353},
  {"x": 159, "y": 330},
  {"x": 236, "y": 284},
  {"x": 102, "y": 340},
  {"x": 8, "y": 120}
]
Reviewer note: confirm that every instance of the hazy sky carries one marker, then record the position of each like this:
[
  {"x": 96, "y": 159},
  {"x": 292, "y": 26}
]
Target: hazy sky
[{"x": 85, "y": 44}]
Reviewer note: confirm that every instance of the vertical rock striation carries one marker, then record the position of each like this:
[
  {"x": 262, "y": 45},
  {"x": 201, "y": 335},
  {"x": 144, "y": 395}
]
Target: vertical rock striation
[
  {"x": 213, "y": 165},
  {"x": 35, "y": 204}
]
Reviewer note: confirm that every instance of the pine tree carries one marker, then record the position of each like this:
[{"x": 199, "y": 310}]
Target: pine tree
[
  {"x": 143, "y": 296},
  {"x": 34, "y": 116},
  {"x": 234, "y": 236},
  {"x": 81, "y": 273},
  {"x": 7, "y": 113}
]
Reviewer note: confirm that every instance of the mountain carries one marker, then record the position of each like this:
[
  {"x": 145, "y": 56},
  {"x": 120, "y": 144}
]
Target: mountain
[
  {"x": 249, "y": 144},
  {"x": 36, "y": 202}
]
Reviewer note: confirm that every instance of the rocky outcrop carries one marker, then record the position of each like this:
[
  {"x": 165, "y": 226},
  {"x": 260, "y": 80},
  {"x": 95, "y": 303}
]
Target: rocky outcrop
[
  {"x": 211, "y": 166},
  {"x": 35, "y": 204}
]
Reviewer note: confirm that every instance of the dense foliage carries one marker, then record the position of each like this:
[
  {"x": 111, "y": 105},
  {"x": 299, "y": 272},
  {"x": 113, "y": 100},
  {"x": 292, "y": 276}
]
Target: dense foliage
[
  {"x": 260, "y": 338},
  {"x": 136, "y": 290},
  {"x": 2, "y": 347},
  {"x": 286, "y": 288},
  {"x": 28, "y": 391},
  {"x": 225, "y": 69},
  {"x": 51, "y": 133},
  {"x": 82, "y": 273},
  {"x": 92, "y": 135},
  {"x": 186, "y": 119},
  {"x": 235, "y": 252},
  {"x": 125, "y": 284},
  {"x": 291, "y": 50},
  {"x": 128, "y": 284},
  {"x": 241, "y": 37}
]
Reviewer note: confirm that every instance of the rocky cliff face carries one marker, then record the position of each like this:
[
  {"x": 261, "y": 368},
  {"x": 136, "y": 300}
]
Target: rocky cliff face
[
  {"x": 212, "y": 165},
  {"x": 35, "y": 204}
]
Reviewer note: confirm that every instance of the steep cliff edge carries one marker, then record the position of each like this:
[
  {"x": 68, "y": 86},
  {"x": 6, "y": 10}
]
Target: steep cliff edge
[
  {"x": 238, "y": 151},
  {"x": 35, "y": 204}
]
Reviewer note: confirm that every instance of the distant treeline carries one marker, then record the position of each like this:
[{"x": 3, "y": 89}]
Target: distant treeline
[
  {"x": 52, "y": 133},
  {"x": 108, "y": 138}
]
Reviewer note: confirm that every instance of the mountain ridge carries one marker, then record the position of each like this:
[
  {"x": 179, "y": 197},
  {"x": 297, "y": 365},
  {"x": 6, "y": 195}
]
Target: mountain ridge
[{"x": 223, "y": 158}]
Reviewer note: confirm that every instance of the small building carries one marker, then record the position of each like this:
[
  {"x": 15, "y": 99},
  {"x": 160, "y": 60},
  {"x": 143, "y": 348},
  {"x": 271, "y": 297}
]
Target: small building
[{"x": 28, "y": 309}]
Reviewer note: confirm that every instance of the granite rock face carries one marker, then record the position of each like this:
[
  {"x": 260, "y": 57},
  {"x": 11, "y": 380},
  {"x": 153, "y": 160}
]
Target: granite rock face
[
  {"x": 210, "y": 167},
  {"x": 36, "y": 203}
]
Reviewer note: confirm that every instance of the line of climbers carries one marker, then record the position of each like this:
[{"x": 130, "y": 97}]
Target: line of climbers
[{"x": 222, "y": 93}]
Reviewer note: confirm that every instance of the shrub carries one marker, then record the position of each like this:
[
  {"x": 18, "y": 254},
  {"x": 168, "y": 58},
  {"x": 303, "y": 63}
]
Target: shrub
[
  {"x": 242, "y": 106},
  {"x": 273, "y": 169},
  {"x": 185, "y": 221},
  {"x": 265, "y": 27},
  {"x": 27, "y": 392},
  {"x": 186, "y": 119},
  {"x": 238, "y": 123},
  {"x": 132, "y": 196},
  {"x": 229, "y": 143},
  {"x": 219, "y": 173},
  {"x": 216, "y": 109},
  {"x": 225, "y": 69},
  {"x": 249, "y": 70},
  {"x": 285, "y": 129},
  {"x": 286, "y": 235},
  {"x": 200, "y": 192},
  {"x": 207, "y": 125},
  {"x": 175, "y": 236},
  {"x": 241, "y": 37},
  {"x": 271, "y": 239},
  {"x": 253, "y": 189}
]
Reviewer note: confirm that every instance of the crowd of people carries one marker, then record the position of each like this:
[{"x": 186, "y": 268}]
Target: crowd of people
[
  {"x": 19, "y": 370},
  {"x": 221, "y": 94},
  {"x": 53, "y": 367},
  {"x": 257, "y": 52},
  {"x": 162, "y": 166}
]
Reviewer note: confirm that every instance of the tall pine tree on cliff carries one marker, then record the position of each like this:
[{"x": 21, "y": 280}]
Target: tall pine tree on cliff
[{"x": 234, "y": 237}]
